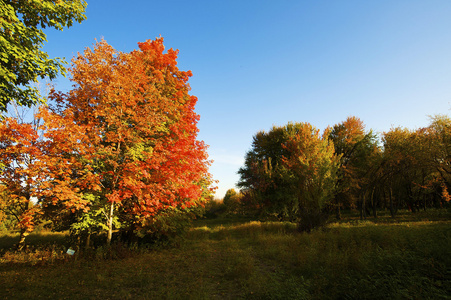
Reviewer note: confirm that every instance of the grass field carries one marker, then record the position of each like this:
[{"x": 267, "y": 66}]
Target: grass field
[{"x": 404, "y": 258}]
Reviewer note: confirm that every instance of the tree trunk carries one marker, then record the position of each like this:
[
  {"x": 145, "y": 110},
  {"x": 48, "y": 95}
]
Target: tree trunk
[
  {"x": 392, "y": 210},
  {"x": 411, "y": 199},
  {"x": 364, "y": 206},
  {"x": 23, "y": 231},
  {"x": 338, "y": 211},
  {"x": 373, "y": 202},
  {"x": 110, "y": 224},
  {"x": 88, "y": 240},
  {"x": 424, "y": 193},
  {"x": 23, "y": 234}
]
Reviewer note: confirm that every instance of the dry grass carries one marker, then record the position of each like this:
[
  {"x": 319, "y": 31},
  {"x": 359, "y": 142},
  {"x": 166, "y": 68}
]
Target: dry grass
[{"x": 238, "y": 259}]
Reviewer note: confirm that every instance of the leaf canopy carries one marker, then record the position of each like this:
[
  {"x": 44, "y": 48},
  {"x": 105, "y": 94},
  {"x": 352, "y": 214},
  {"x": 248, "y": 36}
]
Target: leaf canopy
[{"x": 21, "y": 41}]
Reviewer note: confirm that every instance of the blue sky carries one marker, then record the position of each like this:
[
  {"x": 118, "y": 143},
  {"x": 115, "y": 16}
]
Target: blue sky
[{"x": 261, "y": 63}]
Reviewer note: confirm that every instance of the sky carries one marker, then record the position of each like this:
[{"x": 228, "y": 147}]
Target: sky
[{"x": 259, "y": 63}]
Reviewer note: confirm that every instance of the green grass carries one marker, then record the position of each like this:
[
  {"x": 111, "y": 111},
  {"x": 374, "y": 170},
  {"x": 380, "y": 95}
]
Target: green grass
[{"x": 242, "y": 259}]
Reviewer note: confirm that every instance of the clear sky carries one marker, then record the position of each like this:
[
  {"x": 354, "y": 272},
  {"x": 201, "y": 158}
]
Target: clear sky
[{"x": 261, "y": 63}]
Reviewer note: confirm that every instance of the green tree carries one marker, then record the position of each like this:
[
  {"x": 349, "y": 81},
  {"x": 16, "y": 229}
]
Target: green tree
[
  {"x": 228, "y": 198},
  {"x": 416, "y": 165},
  {"x": 404, "y": 163},
  {"x": 439, "y": 142},
  {"x": 263, "y": 188},
  {"x": 356, "y": 148},
  {"x": 290, "y": 171},
  {"x": 310, "y": 171},
  {"x": 232, "y": 201},
  {"x": 21, "y": 41}
]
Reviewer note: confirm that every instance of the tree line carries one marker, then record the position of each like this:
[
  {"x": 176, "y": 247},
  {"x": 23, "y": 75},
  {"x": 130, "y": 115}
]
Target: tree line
[{"x": 296, "y": 173}]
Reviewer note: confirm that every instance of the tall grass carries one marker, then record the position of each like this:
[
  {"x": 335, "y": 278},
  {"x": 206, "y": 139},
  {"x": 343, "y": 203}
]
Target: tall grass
[{"x": 225, "y": 259}]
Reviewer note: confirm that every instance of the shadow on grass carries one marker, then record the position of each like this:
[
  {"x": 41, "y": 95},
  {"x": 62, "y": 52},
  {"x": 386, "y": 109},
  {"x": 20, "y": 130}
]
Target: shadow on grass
[
  {"x": 401, "y": 216},
  {"x": 8, "y": 241}
]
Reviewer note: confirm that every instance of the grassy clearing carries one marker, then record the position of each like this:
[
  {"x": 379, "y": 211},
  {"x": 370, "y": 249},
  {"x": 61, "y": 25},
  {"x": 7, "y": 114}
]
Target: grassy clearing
[{"x": 241, "y": 259}]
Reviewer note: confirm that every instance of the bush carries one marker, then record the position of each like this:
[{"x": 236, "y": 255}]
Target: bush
[{"x": 214, "y": 208}]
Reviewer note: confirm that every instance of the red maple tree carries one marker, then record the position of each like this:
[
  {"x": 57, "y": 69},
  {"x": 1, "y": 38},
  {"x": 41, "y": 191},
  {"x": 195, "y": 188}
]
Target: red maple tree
[{"x": 124, "y": 139}]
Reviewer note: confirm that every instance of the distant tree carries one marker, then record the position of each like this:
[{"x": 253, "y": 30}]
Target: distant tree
[
  {"x": 214, "y": 208},
  {"x": 410, "y": 167},
  {"x": 259, "y": 178},
  {"x": 22, "y": 38},
  {"x": 291, "y": 172},
  {"x": 228, "y": 198},
  {"x": 356, "y": 148},
  {"x": 438, "y": 138},
  {"x": 397, "y": 165},
  {"x": 232, "y": 201},
  {"x": 310, "y": 170}
]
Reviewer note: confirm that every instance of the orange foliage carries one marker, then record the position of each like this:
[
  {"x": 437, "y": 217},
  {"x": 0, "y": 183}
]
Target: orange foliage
[
  {"x": 21, "y": 162},
  {"x": 126, "y": 132},
  {"x": 445, "y": 194}
]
